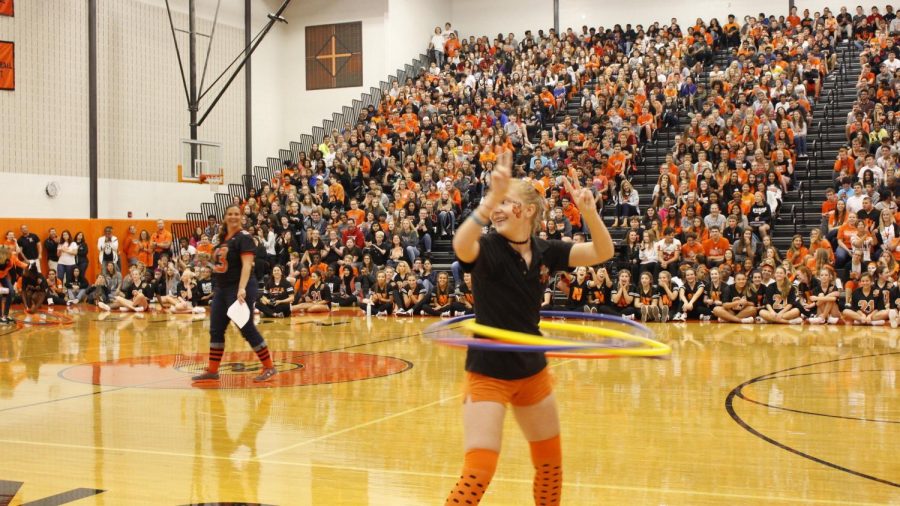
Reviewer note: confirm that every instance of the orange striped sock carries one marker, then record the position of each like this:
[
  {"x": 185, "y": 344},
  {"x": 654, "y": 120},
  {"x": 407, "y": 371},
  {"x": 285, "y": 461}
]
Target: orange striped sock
[
  {"x": 265, "y": 357},
  {"x": 215, "y": 358},
  {"x": 478, "y": 470},
  {"x": 546, "y": 456}
]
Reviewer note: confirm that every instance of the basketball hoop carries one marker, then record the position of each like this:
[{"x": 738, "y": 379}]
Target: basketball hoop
[{"x": 213, "y": 180}]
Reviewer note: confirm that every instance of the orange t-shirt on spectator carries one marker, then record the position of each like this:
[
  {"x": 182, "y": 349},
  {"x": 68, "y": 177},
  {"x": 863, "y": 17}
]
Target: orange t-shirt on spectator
[
  {"x": 690, "y": 252},
  {"x": 572, "y": 214},
  {"x": 159, "y": 237},
  {"x": 715, "y": 248}
]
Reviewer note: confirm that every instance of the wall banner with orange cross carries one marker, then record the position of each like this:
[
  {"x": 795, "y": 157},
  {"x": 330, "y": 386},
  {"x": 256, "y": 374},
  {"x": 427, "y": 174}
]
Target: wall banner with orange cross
[{"x": 6, "y": 8}]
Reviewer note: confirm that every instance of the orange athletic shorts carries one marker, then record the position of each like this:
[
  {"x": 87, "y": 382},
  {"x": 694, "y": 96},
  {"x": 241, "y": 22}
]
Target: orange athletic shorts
[{"x": 519, "y": 392}]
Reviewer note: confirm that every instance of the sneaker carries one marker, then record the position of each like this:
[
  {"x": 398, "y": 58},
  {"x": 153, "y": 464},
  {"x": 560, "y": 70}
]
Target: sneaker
[
  {"x": 628, "y": 317},
  {"x": 664, "y": 314},
  {"x": 892, "y": 317},
  {"x": 705, "y": 318},
  {"x": 645, "y": 310},
  {"x": 760, "y": 320},
  {"x": 266, "y": 375},
  {"x": 459, "y": 313},
  {"x": 594, "y": 310},
  {"x": 816, "y": 320},
  {"x": 140, "y": 309},
  {"x": 206, "y": 376},
  {"x": 833, "y": 320},
  {"x": 748, "y": 320},
  {"x": 720, "y": 320},
  {"x": 796, "y": 321},
  {"x": 654, "y": 313},
  {"x": 680, "y": 317},
  {"x": 104, "y": 306},
  {"x": 68, "y": 302},
  {"x": 877, "y": 323},
  {"x": 587, "y": 308},
  {"x": 123, "y": 309},
  {"x": 198, "y": 310},
  {"x": 400, "y": 312},
  {"x": 381, "y": 313},
  {"x": 445, "y": 314}
]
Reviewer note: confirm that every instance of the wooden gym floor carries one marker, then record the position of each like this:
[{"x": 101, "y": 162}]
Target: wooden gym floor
[{"x": 99, "y": 410}]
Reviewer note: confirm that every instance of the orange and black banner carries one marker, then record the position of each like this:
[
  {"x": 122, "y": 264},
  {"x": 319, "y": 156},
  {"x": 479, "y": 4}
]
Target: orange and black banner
[
  {"x": 7, "y": 65},
  {"x": 6, "y": 8}
]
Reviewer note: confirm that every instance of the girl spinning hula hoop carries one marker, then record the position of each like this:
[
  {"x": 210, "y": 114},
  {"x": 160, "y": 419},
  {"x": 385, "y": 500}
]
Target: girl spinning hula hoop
[{"x": 505, "y": 267}]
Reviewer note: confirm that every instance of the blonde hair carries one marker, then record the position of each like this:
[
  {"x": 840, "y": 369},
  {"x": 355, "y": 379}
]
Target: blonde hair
[
  {"x": 530, "y": 196},
  {"x": 4, "y": 253}
]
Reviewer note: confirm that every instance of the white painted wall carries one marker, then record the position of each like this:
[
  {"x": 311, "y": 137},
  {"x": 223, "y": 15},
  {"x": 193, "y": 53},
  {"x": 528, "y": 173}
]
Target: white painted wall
[
  {"x": 479, "y": 17},
  {"x": 116, "y": 197},
  {"x": 606, "y": 13},
  {"x": 45, "y": 119}
]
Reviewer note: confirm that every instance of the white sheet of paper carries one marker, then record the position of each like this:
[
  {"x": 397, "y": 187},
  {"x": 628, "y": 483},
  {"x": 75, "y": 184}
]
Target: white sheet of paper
[{"x": 239, "y": 313}]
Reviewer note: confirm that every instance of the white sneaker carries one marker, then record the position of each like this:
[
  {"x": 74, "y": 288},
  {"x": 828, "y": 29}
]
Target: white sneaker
[
  {"x": 198, "y": 310},
  {"x": 459, "y": 313},
  {"x": 816, "y": 320},
  {"x": 400, "y": 312},
  {"x": 876, "y": 323},
  {"x": 833, "y": 320},
  {"x": 748, "y": 319},
  {"x": 892, "y": 317},
  {"x": 104, "y": 306},
  {"x": 704, "y": 318},
  {"x": 123, "y": 309},
  {"x": 139, "y": 309},
  {"x": 760, "y": 320},
  {"x": 682, "y": 317},
  {"x": 720, "y": 320},
  {"x": 796, "y": 321},
  {"x": 381, "y": 313},
  {"x": 445, "y": 314}
]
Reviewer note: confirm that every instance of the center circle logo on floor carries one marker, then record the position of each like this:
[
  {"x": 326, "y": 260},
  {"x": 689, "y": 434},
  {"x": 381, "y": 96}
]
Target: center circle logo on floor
[{"x": 295, "y": 368}]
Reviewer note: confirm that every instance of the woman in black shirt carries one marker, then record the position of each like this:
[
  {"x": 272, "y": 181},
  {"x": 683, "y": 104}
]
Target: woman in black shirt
[
  {"x": 277, "y": 295},
  {"x": 234, "y": 282},
  {"x": 505, "y": 267},
  {"x": 759, "y": 215}
]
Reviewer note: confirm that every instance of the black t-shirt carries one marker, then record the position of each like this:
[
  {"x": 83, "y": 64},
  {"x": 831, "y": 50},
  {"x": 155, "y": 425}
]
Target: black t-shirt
[
  {"x": 227, "y": 258},
  {"x": 29, "y": 244},
  {"x": 775, "y": 299},
  {"x": 732, "y": 294},
  {"x": 578, "y": 292},
  {"x": 52, "y": 247},
  {"x": 865, "y": 304},
  {"x": 508, "y": 295},
  {"x": 319, "y": 293},
  {"x": 278, "y": 291}
]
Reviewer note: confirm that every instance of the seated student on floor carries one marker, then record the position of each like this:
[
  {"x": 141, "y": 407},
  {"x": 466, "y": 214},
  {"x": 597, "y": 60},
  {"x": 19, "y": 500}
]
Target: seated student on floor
[
  {"x": 317, "y": 298},
  {"x": 277, "y": 295},
  {"x": 826, "y": 298},
  {"x": 781, "y": 301},
  {"x": 864, "y": 306},
  {"x": 737, "y": 302}
]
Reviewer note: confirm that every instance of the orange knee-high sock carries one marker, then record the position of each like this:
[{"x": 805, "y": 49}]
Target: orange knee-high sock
[
  {"x": 546, "y": 456},
  {"x": 478, "y": 469}
]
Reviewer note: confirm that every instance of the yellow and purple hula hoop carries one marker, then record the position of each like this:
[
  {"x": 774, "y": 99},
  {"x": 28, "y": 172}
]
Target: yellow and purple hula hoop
[{"x": 638, "y": 341}]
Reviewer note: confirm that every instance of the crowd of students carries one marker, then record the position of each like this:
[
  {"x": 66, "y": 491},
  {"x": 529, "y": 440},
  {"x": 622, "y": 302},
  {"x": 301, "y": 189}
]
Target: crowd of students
[{"x": 353, "y": 221}]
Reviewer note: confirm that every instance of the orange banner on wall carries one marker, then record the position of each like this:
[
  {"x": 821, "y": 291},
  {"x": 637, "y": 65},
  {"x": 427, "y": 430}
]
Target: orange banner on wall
[
  {"x": 7, "y": 66},
  {"x": 6, "y": 8}
]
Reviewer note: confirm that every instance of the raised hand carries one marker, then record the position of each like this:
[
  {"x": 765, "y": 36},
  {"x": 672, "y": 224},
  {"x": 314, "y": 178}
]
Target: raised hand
[
  {"x": 500, "y": 177},
  {"x": 582, "y": 197}
]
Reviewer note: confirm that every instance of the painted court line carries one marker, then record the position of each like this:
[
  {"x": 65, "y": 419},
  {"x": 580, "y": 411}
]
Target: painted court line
[{"x": 371, "y": 422}]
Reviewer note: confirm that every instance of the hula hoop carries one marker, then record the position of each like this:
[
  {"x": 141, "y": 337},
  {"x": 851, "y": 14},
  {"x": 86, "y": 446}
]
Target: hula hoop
[{"x": 495, "y": 339}]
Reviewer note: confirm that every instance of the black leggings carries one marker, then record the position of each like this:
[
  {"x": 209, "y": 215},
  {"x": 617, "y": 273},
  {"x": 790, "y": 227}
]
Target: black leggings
[
  {"x": 270, "y": 309},
  {"x": 437, "y": 311},
  {"x": 218, "y": 317}
]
